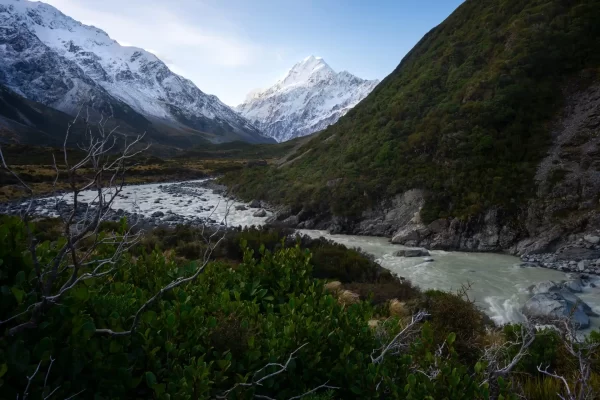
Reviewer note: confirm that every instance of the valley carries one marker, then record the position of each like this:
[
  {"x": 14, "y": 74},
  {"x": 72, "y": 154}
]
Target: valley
[
  {"x": 432, "y": 232},
  {"x": 491, "y": 277}
]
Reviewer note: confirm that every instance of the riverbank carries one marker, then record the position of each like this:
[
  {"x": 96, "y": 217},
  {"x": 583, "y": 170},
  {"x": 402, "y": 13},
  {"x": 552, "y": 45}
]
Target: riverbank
[
  {"x": 400, "y": 224},
  {"x": 501, "y": 283},
  {"x": 152, "y": 205}
]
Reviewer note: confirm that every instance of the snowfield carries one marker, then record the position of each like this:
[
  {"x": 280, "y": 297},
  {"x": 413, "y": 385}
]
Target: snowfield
[
  {"x": 49, "y": 57},
  {"x": 311, "y": 97}
]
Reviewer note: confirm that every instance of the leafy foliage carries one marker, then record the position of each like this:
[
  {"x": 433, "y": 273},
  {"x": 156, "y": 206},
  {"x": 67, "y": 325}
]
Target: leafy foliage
[{"x": 202, "y": 338}]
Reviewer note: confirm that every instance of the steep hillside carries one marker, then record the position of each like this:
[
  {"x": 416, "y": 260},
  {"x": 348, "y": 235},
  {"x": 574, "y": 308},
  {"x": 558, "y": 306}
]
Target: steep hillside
[
  {"x": 50, "y": 58},
  {"x": 311, "y": 97},
  {"x": 457, "y": 133}
]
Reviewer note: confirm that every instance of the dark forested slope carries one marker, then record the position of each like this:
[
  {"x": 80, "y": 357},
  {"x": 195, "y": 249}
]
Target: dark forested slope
[{"x": 466, "y": 117}]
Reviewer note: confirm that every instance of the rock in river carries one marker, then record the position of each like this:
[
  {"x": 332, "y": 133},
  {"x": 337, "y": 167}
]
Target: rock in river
[
  {"x": 260, "y": 213},
  {"x": 555, "y": 305},
  {"x": 254, "y": 204},
  {"x": 544, "y": 287},
  {"x": 575, "y": 286},
  {"x": 412, "y": 253}
]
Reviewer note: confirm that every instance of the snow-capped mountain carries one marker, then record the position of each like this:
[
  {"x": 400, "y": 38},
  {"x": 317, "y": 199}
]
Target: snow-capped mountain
[
  {"x": 311, "y": 97},
  {"x": 50, "y": 58}
]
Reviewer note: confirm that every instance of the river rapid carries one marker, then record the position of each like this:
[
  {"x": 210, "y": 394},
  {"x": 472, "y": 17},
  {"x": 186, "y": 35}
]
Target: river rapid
[{"x": 498, "y": 284}]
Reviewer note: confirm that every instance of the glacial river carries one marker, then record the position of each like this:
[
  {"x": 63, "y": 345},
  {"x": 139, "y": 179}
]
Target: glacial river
[{"x": 499, "y": 285}]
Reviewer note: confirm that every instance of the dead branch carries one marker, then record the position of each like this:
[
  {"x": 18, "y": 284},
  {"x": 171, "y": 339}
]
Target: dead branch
[
  {"x": 498, "y": 360},
  {"x": 400, "y": 340},
  {"x": 282, "y": 368},
  {"x": 583, "y": 351},
  {"x": 107, "y": 180}
]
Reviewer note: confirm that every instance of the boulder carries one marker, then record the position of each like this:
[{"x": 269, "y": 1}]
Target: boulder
[
  {"x": 406, "y": 235},
  {"x": 158, "y": 214},
  {"x": 260, "y": 213},
  {"x": 412, "y": 253},
  {"x": 574, "y": 286},
  {"x": 544, "y": 287},
  {"x": 254, "y": 204},
  {"x": 429, "y": 259},
  {"x": 333, "y": 182},
  {"x": 554, "y": 305},
  {"x": 571, "y": 298},
  {"x": 583, "y": 265},
  {"x": 592, "y": 239},
  {"x": 283, "y": 213}
]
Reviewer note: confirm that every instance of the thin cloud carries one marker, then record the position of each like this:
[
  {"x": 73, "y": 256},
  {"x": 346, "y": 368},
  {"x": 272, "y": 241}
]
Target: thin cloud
[{"x": 166, "y": 33}]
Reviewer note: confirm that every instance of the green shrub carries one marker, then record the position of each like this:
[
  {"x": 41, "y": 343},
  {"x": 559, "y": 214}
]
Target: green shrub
[
  {"x": 203, "y": 337},
  {"x": 453, "y": 313}
]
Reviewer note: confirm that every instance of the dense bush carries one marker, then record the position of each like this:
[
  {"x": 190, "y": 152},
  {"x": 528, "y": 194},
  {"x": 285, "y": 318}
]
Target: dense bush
[{"x": 202, "y": 338}]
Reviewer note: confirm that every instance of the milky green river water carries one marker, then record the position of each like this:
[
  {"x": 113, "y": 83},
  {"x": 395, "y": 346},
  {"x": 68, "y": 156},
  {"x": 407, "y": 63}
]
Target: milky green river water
[{"x": 499, "y": 285}]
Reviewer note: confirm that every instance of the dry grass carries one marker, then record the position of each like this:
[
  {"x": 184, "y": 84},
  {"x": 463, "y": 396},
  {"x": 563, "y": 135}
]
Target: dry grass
[
  {"x": 40, "y": 177},
  {"x": 398, "y": 309},
  {"x": 347, "y": 298},
  {"x": 333, "y": 287}
]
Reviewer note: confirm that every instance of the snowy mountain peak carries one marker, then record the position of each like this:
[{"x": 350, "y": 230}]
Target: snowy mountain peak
[
  {"x": 49, "y": 57},
  {"x": 308, "y": 71},
  {"x": 309, "y": 98}
]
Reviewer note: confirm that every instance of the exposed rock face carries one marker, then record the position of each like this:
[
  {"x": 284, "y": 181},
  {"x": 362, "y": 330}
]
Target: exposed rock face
[
  {"x": 563, "y": 218},
  {"x": 568, "y": 179},
  {"x": 486, "y": 234}
]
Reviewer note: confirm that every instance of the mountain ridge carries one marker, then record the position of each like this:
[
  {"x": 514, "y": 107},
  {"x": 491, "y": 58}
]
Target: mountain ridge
[
  {"x": 309, "y": 98},
  {"x": 444, "y": 151},
  {"x": 53, "y": 59}
]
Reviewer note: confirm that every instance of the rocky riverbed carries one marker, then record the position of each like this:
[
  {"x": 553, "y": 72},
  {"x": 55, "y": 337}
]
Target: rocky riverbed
[
  {"x": 195, "y": 203},
  {"x": 505, "y": 286},
  {"x": 582, "y": 256}
]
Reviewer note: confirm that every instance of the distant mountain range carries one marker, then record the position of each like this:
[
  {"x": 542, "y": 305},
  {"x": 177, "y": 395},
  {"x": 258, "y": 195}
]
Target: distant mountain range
[
  {"x": 311, "y": 97},
  {"x": 49, "y": 58}
]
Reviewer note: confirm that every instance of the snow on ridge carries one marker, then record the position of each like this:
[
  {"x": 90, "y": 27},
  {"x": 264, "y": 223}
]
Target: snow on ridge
[
  {"x": 130, "y": 74},
  {"x": 309, "y": 98}
]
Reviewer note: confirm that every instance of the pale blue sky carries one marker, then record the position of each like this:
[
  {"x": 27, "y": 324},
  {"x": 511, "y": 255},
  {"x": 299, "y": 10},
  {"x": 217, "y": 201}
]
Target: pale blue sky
[{"x": 229, "y": 47}]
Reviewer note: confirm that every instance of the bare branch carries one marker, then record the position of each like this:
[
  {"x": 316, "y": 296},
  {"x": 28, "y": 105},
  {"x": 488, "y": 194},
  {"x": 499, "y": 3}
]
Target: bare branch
[
  {"x": 281, "y": 368},
  {"x": 398, "y": 340},
  {"x": 29, "y": 379},
  {"x": 323, "y": 386}
]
